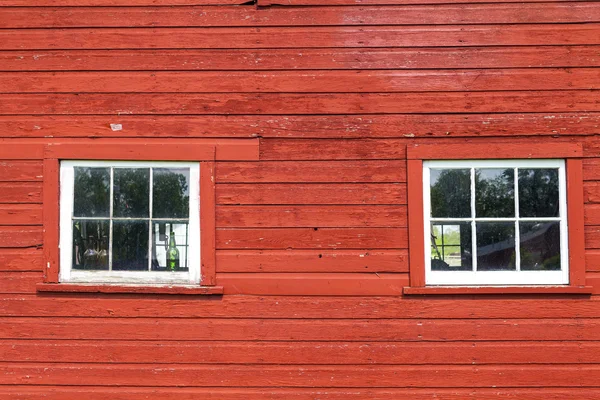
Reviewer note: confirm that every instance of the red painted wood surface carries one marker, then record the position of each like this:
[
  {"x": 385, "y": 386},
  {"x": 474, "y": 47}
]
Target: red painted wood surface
[
  {"x": 272, "y": 37},
  {"x": 311, "y": 105},
  {"x": 301, "y": 59},
  {"x": 285, "y": 103},
  {"x": 303, "y": 81},
  {"x": 59, "y": 17}
]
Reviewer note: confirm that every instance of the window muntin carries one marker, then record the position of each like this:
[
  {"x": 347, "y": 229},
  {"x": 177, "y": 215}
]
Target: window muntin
[
  {"x": 507, "y": 216},
  {"x": 122, "y": 214}
]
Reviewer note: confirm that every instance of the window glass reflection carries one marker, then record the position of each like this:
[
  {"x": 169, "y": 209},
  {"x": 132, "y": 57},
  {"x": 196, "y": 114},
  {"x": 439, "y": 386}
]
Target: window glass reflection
[
  {"x": 91, "y": 192},
  {"x": 90, "y": 244},
  {"x": 131, "y": 192},
  {"x": 494, "y": 192},
  {"x": 130, "y": 246},
  {"x": 170, "y": 193},
  {"x": 450, "y": 193},
  {"x": 540, "y": 245},
  {"x": 451, "y": 246},
  {"x": 496, "y": 246},
  {"x": 538, "y": 192}
]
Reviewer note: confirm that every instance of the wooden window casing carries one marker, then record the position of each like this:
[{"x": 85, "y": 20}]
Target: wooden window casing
[
  {"x": 206, "y": 153},
  {"x": 571, "y": 153}
]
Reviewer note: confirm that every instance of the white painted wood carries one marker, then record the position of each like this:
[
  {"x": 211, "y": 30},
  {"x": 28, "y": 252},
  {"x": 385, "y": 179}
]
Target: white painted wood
[
  {"x": 67, "y": 274},
  {"x": 483, "y": 278}
]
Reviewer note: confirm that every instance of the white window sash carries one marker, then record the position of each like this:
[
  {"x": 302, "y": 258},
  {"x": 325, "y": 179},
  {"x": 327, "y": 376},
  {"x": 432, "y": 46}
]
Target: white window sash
[
  {"x": 496, "y": 278},
  {"x": 68, "y": 274}
]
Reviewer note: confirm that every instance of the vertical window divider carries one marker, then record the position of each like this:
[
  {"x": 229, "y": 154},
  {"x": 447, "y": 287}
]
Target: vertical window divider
[
  {"x": 150, "y": 226},
  {"x": 473, "y": 224},
  {"x": 517, "y": 227},
  {"x": 110, "y": 219}
]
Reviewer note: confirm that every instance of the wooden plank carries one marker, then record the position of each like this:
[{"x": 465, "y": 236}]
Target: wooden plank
[
  {"x": 195, "y": 16},
  {"x": 20, "y": 214},
  {"x": 290, "y": 353},
  {"x": 312, "y": 171},
  {"x": 592, "y": 260},
  {"x": 20, "y": 236},
  {"x": 313, "y": 284},
  {"x": 591, "y": 192},
  {"x": 51, "y": 232},
  {"x": 416, "y": 223},
  {"x": 104, "y": 3},
  {"x": 250, "y": 261},
  {"x": 292, "y": 103},
  {"x": 207, "y": 223},
  {"x": 22, "y": 392},
  {"x": 21, "y": 259},
  {"x": 301, "y": 81},
  {"x": 312, "y": 193},
  {"x": 306, "y": 126},
  {"x": 300, "y": 307},
  {"x": 301, "y": 59},
  {"x": 310, "y": 216},
  {"x": 21, "y": 151},
  {"x": 101, "y": 329},
  {"x": 296, "y": 37},
  {"x": 11, "y": 171},
  {"x": 265, "y": 3},
  {"x": 20, "y": 192},
  {"x": 19, "y": 282},
  {"x": 312, "y": 238},
  {"x": 332, "y": 149},
  {"x": 299, "y": 376},
  {"x": 499, "y": 150}
]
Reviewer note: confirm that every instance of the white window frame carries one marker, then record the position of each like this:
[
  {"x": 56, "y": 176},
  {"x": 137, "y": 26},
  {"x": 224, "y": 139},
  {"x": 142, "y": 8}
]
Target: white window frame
[
  {"x": 496, "y": 278},
  {"x": 69, "y": 275}
]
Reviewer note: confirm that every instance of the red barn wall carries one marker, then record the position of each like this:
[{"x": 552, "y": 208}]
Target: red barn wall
[{"x": 312, "y": 247}]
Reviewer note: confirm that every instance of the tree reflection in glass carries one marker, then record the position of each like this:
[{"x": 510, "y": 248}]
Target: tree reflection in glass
[
  {"x": 538, "y": 192},
  {"x": 496, "y": 246},
  {"x": 91, "y": 192},
  {"x": 131, "y": 192},
  {"x": 494, "y": 192},
  {"x": 540, "y": 245},
  {"x": 450, "y": 193},
  {"x": 170, "y": 194}
]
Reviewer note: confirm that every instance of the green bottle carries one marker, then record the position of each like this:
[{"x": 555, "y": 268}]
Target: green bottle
[{"x": 172, "y": 254}]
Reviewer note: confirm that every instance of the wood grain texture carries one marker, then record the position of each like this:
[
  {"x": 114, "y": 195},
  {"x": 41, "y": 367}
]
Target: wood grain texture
[
  {"x": 302, "y": 81},
  {"x": 272, "y": 37},
  {"x": 303, "y": 126},
  {"x": 21, "y": 259},
  {"x": 291, "y": 103},
  {"x": 301, "y": 59},
  {"x": 20, "y": 236},
  {"x": 300, "y": 307},
  {"x": 390, "y": 171},
  {"x": 20, "y": 214},
  {"x": 310, "y": 216},
  {"x": 201, "y": 16},
  {"x": 20, "y": 192},
  {"x": 27, "y": 171},
  {"x": 311, "y": 353},
  {"x": 312, "y": 238},
  {"x": 21, "y": 392},
  {"x": 250, "y": 261},
  {"x": 297, "y": 376},
  {"x": 102, "y": 329},
  {"x": 311, "y": 194}
]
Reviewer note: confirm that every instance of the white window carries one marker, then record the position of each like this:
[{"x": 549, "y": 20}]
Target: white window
[
  {"x": 129, "y": 222},
  {"x": 495, "y": 222}
]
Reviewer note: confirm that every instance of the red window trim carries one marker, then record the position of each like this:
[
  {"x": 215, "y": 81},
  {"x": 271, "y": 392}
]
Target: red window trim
[
  {"x": 572, "y": 154},
  {"x": 207, "y": 152}
]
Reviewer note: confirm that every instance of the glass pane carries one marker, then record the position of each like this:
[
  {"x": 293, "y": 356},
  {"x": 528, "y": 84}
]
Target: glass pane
[
  {"x": 540, "y": 245},
  {"x": 169, "y": 250},
  {"x": 170, "y": 194},
  {"x": 130, "y": 246},
  {"x": 131, "y": 192},
  {"x": 451, "y": 246},
  {"x": 494, "y": 192},
  {"x": 90, "y": 244},
  {"x": 538, "y": 192},
  {"x": 496, "y": 246},
  {"x": 450, "y": 193},
  {"x": 91, "y": 192}
]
